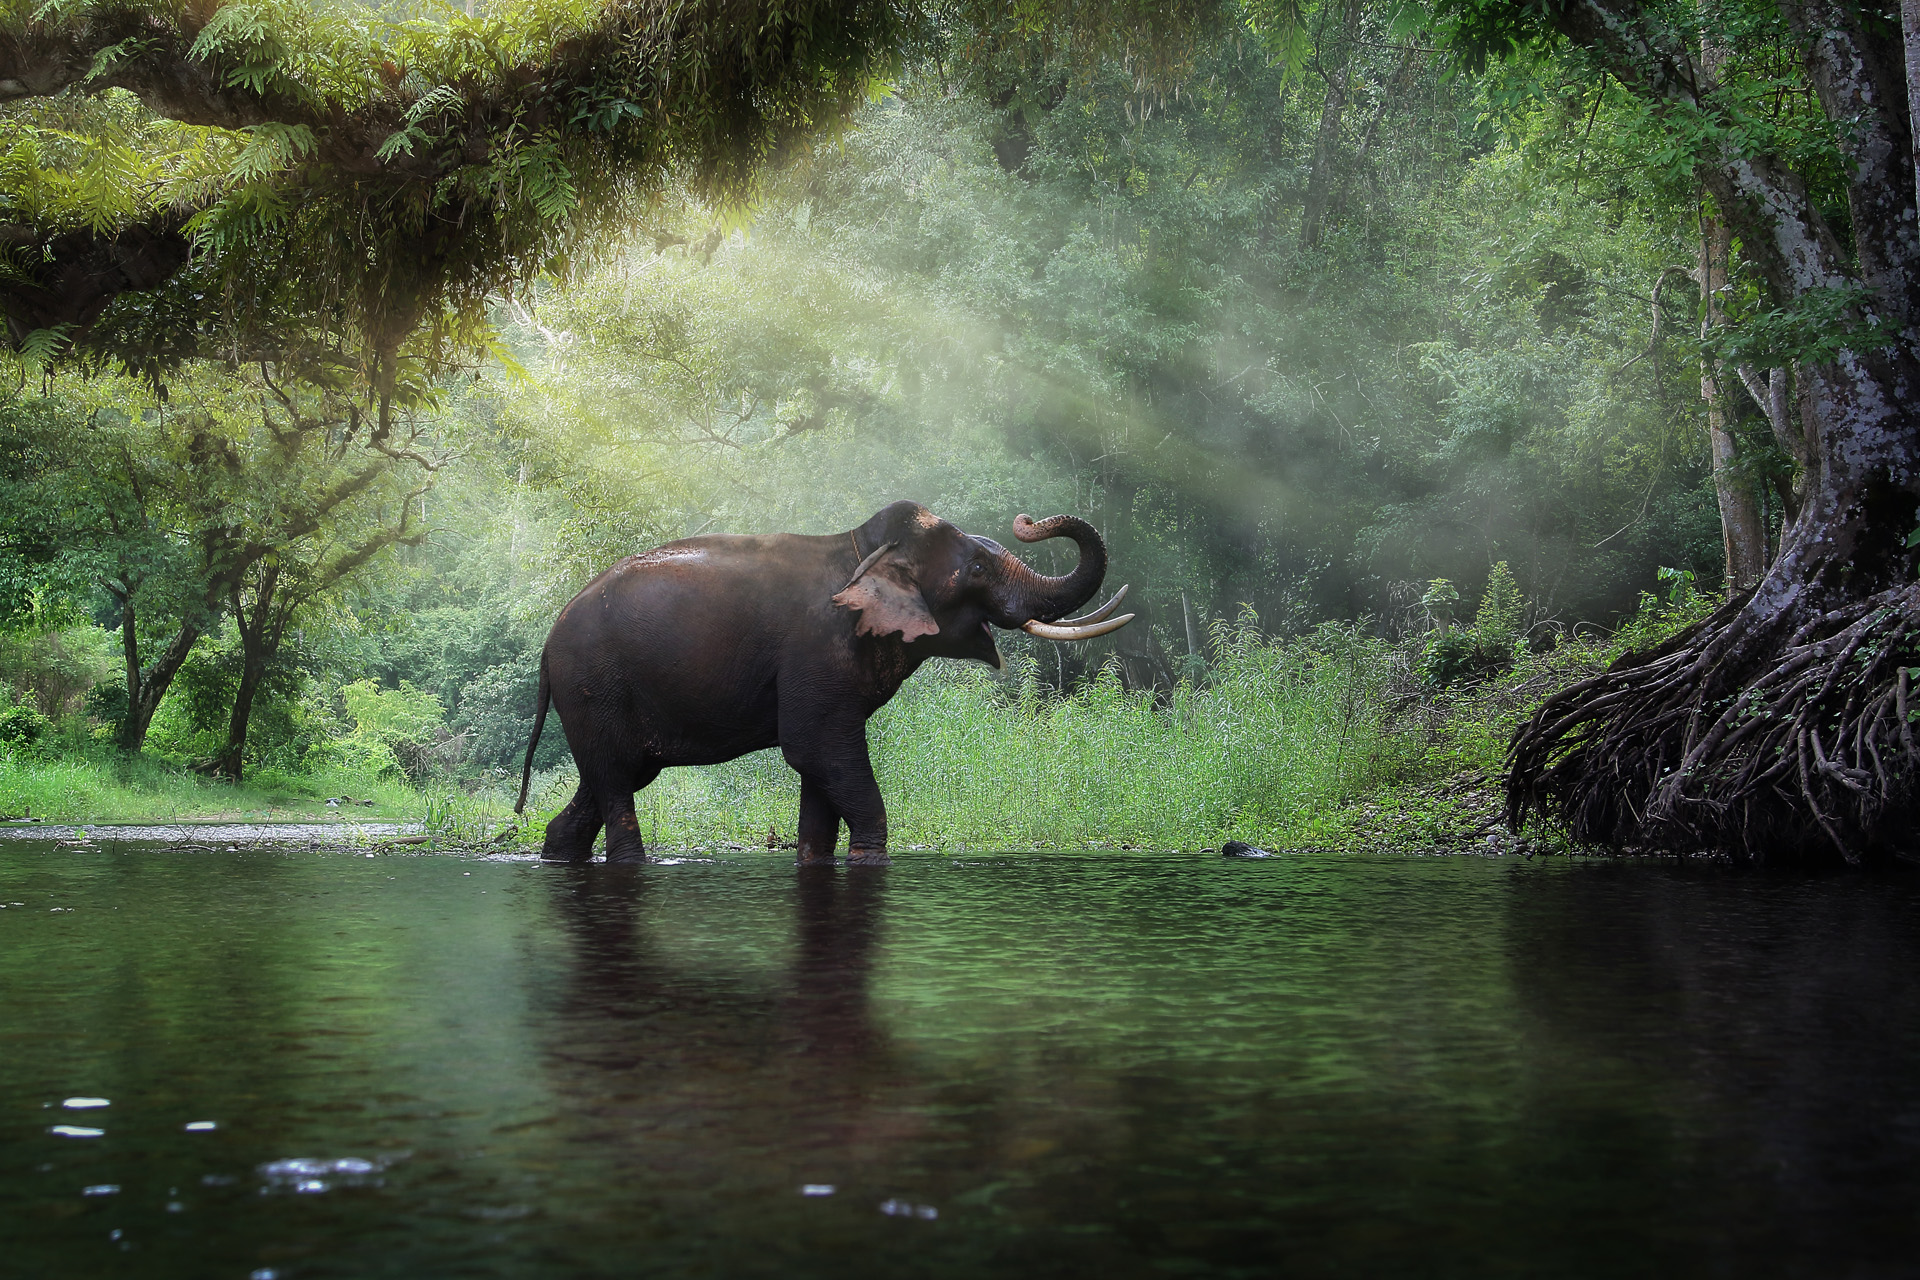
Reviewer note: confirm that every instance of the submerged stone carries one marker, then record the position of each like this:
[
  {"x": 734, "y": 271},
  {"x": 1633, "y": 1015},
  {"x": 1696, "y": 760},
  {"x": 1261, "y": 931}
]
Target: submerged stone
[{"x": 1241, "y": 849}]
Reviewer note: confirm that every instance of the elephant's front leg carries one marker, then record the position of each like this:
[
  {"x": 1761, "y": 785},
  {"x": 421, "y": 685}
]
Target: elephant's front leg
[
  {"x": 832, "y": 760},
  {"x": 623, "y": 832},
  {"x": 819, "y": 830}
]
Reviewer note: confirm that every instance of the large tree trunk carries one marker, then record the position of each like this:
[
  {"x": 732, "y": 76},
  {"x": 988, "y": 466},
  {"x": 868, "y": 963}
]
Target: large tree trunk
[
  {"x": 1779, "y": 728},
  {"x": 260, "y": 631},
  {"x": 1743, "y": 534},
  {"x": 1910, "y": 28},
  {"x": 147, "y": 686}
]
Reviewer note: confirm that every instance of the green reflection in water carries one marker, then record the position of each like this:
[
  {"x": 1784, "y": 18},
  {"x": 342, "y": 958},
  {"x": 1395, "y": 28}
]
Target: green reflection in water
[{"x": 1037, "y": 1064}]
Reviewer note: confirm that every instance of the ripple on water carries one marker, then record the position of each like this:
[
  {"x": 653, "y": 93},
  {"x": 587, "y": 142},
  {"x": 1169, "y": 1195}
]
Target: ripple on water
[{"x": 310, "y": 1176}]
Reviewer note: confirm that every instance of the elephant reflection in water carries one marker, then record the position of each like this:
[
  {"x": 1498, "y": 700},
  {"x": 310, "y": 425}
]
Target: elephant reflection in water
[
  {"x": 713, "y": 1097},
  {"x": 724, "y": 1080}
]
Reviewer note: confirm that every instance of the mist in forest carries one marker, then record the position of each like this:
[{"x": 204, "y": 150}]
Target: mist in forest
[{"x": 1113, "y": 303}]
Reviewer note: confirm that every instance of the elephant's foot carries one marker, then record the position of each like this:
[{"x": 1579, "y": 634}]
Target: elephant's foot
[
  {"x": 813, "y": 850},
  {"x": 626, "y": 852},
  {"x": 567, "y": 845},
  {"x": 869, "y": 857},
  {"x": 570, "y": 834}
]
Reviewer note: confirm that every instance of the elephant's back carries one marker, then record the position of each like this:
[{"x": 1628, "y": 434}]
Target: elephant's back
[
  {"x": 699, "y": 585},
  {"x": 689, "y": 630}
]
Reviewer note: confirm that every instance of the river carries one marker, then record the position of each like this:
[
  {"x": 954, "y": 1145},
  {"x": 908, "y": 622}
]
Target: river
[{"x": 280, "y": 1062}]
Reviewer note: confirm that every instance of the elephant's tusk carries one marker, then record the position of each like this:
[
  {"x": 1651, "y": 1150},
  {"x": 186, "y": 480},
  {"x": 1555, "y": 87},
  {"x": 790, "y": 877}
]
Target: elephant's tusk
[
  {"x": 1051, "y": 631},
  {"x": 1088, "y": 619}
]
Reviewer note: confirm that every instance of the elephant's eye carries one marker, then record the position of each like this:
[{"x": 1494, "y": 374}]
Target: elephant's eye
[{"x": 978, "y": 568}]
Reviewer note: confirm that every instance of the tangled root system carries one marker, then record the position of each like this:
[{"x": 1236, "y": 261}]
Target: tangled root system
[{"x": 1783, "y": 735}]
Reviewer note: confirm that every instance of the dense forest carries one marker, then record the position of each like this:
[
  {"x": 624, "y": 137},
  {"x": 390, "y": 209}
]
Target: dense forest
[{"x": 346, "y": 342}]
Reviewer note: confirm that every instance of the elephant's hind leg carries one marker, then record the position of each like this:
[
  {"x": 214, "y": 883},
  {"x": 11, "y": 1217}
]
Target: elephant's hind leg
[
  {"x": 623, "y": 824},
  {"x": 570, "y": 834}
]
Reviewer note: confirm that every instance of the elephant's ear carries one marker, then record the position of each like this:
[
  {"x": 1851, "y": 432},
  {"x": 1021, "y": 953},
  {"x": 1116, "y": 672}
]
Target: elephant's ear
[{"x": 888, "y": 600}]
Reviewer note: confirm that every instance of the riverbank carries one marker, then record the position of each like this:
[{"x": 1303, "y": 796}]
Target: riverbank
[{"x": 1463, "y": 814}]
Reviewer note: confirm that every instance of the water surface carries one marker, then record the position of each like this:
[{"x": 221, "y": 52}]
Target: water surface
[{"x": 1022, "y": 1064}]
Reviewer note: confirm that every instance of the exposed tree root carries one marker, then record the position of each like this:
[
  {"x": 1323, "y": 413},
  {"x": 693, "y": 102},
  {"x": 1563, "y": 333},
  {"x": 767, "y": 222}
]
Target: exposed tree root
[{"x": 1782, "y": 736}]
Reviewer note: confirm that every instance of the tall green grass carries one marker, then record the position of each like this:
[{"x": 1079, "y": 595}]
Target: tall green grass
[
  {"x": 102, "y": 785},
  {"x": 1278, "y": 738},
  {"x": 1282, "y": 734}
]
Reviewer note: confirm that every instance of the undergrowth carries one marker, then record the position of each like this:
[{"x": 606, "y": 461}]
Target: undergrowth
[{"x": 1333, "y": 739}]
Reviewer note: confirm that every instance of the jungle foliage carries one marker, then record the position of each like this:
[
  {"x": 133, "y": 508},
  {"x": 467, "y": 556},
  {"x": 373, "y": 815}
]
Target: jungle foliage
[{"x": 350, "y": 339}]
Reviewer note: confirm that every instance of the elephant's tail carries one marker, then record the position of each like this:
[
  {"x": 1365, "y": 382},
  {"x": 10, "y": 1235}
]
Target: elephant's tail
[{"x": 539, "y": 723}]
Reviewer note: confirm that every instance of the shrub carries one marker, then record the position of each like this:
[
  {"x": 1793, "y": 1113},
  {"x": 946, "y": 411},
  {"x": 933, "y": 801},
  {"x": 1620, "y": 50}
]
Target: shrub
[
  {"x": 56, "y": 659},
  {"x": 1491, "y": 644},
  {"x": 408, "y": 723},
  {"x": 23, "y": 730},
  {"x": 1450, "y": 656},
  {"x": 107, "y": 703},
  {"x": 497, "y": 705},
  {"x": 1499, "y": 623}
]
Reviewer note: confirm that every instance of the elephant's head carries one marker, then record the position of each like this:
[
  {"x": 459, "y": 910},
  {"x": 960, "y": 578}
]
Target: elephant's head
[{"x": 946, "y": 589}]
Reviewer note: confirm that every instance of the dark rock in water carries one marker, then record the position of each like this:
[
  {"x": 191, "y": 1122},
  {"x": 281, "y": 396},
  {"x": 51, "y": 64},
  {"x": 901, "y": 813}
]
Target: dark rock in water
[{"x": 1241, "y": 849}]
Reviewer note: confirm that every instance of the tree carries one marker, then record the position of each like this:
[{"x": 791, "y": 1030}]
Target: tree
[
  {"x": 1334, "y": 71},
  {"x": 238, "y": 496},
  {"x": 302, "y": 503},
  {"x": 91, "y": 497},
  {"x": 1780, "y": 725},
  {"x": 414, "y": 169}
]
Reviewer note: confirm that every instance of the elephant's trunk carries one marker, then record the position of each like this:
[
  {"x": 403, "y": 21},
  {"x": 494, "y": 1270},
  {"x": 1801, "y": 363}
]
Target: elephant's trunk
[{"x": 1026, "y": 596}]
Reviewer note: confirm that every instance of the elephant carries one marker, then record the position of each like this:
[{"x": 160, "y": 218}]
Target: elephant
[{"x": 710, "y": 647}]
